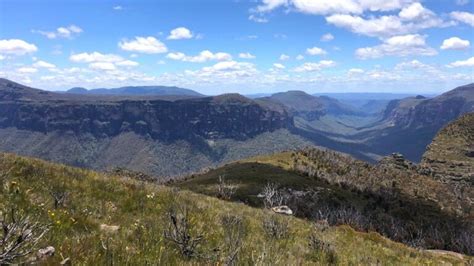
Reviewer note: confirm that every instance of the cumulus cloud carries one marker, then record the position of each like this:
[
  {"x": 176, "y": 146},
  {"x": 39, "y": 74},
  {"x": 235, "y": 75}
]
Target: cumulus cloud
[
  {"x": 324, "y": 7},
  {"x": 95, "y": 57},
  {"x": 247, "y": 56},
  {"x": 258, "y": 18},
  {"x": 180, "y": 33},
  {"x": 43, "y": 64},
  {"x": 102, "y": 66},
  {"x": 354, "y": 71},
  {"x": 269, "y": 5},
  {"x": 455, "y": 43},
  {"x": 147, "y": 45},
  {"x": 16, "y": 47},
  {"x": 278, "y": 66},
  {"x": 464, "y": 17},
  {"x": 27, "y": 70},
  {"x": 202, "y": 57},
  {"x": 67, "y": 32},
  {"x": 327, "y": 37},
  {"x": 127, "y": 63},
  {"x": 411, "y": 19},
  {"x": 99, "y": 61},
  {"x": 300, "y": 57},
  {"x": 284, "y": 57},
  {"x": 312, "y": 67},
  {"x": 117, "y": 8},
  {"x": 404, "y": 45},
  {"x": 315, "y": 51},
  {"x": 463, "y": 63}
]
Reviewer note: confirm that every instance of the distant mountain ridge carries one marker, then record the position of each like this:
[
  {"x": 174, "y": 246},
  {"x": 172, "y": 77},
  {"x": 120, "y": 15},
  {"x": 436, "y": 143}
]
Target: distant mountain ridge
[{"x": 137, "y": 90}]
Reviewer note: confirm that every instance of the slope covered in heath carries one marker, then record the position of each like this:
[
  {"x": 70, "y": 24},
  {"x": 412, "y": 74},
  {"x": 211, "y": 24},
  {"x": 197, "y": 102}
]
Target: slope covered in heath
[
  {"x": 450, "y": 157},
  {"x": 107, "y": 219},
  {"x": 391, "y": 197}
]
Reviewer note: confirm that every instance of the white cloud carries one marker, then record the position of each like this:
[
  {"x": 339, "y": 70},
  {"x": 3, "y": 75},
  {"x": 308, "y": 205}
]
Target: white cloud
[
  {"x": 455, "y": 43},
  {"x": 284, "y": 57},
  {"x": 278, "y": 66},
  {"x": 2, "y": 57},
  {"x": 324, "y": 7},
  {"x": 27, "y": 70},
  {"x": 258, "y": 19},
  {"x": 464, "y": 17},
  {"x": 384, "y": 5},
  {"x": 311, "y": 67},
  {"x": 180, "y": 33},
  {"x": 268, "y": 5},
  {"x": 127, "y": 63},
  {"x": 463, "y": 63},
  {"x": 226, "y": 72},
  {"x": 118, "y": 8},
  {"x": 315, "y": 51},
  {"x": 300, "y": 57},
  {"x": 246, "y": 56},
  {"x": 16, "y": 47},
  {"x": 147, "y": 45},
  {"x": 67, "y": 32},
  {"x": 327, "y": 37},
  {"x": 99, "y": 61},
  {"x": 404, "y": 45},
  {"x": 415, "y": 11},
  {"x": 410, "y": 19},
  {"x": 43, "y": 64},
  {"x": 354, "y": 71},
  {"x": 203, "y": 56},
  {"x": 102, "y": 66},
  {"x": 95, "y": 57}
]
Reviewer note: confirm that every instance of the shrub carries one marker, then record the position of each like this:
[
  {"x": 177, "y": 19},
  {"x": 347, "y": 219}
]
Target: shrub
[
  {"x": 19, "y": 236},
  {"x": 179, "y": 233},
  {"x": 224, "y": 190},
  {"x": 322, "y": 251},
  {"x": 276, "y": 227},
  {"x": 234, "y": 233}
]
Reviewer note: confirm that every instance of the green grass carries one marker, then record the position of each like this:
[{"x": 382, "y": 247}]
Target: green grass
[{"x": 140, "y": 210}]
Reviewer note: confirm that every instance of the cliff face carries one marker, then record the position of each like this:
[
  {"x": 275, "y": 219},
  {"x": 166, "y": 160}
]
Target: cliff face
[
  {"x": 228, "y": 116},
  {"x": 436, "y": 112}
]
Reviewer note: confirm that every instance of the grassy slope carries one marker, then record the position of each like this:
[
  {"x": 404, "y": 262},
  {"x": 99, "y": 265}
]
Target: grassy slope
[{"x": 139, "y": 208}]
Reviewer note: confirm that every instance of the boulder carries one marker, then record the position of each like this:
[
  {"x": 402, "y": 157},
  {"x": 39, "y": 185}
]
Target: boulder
[
  {"x": 282, "y": 210},
  {"x": 45, "y": 253},
  {"x": 109, "y": 229}
]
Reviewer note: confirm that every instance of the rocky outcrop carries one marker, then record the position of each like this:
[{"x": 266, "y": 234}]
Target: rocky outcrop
[{"x": 449, "y": 157}]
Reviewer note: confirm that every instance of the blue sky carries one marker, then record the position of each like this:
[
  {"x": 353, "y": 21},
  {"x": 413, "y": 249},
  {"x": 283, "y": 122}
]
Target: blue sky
[{"x": 240, "y": 46}]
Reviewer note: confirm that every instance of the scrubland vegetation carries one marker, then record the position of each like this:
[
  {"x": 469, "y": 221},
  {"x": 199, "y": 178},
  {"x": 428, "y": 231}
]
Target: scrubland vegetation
[{"x": 96, "y": 219}]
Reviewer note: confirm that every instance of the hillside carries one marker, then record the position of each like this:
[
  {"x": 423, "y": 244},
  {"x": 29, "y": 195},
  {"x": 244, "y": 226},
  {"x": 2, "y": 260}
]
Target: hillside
[
  {"x": 105, "y": 219},
  {"x": 409, "y": 125},
  {"x": 450, "y": 157},
  {"x": 391, "y": 198},
  {"x": 138, "y": 90}
]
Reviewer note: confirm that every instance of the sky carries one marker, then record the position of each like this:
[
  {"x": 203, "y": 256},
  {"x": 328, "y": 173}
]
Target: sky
[{"x": 253, "y": 46}]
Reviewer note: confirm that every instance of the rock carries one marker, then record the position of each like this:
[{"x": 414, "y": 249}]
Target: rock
[
  {"x": 45, "y": 253},
  {"x": 109, "y": 229},
  {"x": 446, "y": 253},
  {"x": 282, "y": 210}
]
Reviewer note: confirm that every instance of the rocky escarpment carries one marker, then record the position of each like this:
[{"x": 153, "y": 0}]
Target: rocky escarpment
[
  {"x": 418, "y": 111},
  {"x": 228, "y": 116}
]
